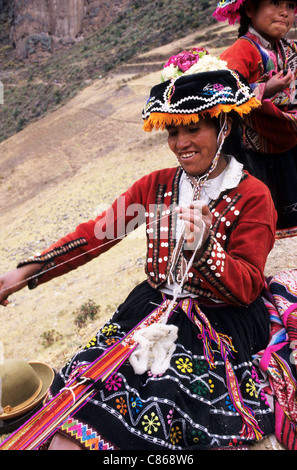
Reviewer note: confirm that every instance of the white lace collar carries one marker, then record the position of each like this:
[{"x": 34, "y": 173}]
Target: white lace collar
[{"x": 228, "y": 179}]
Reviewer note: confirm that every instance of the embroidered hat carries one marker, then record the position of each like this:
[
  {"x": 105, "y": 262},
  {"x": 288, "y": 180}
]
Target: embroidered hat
[
  {"x": 204, "y": 86},
  {"x": 229, "y": 10}
]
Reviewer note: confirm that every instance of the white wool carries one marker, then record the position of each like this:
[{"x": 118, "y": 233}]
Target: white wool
[{"x": 156, "y": 344}]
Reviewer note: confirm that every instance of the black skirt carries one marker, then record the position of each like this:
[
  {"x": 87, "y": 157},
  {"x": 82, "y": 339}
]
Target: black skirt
[{"x": 189, "y": 406}]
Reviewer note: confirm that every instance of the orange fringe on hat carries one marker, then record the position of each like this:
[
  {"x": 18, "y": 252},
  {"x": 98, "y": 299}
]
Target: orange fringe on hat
[{"x": 161, "y": 120}]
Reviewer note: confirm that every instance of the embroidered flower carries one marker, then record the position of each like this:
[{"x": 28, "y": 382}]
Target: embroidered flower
[
  {"x": 254, "y": 375},
  {"x": 264, "y": 397},
  {"x": 74, "y": 365},
  {"x": 151, "y": 424},
  {"x": 169, "y": 417},
  {"x": 135, "y": 405},
  {"x": 110, "y": 341},
  {"x": 113, "y": 383},
  {"x": 184, "y": 365},
  {"x": 199, "y": 387},
  {"x": 175, "y": 435},
  {"x": 109, "y": 330},
  {"x": 211, "y": 386},
  {"x": 197, "y": 437},
  {"x": 251, "y": 388},
  {"x": 235, "y": 443},
  {"x": 91, "y": 343},
  {"x": 229, "y": 403},
  {"x": 200, "y": 367},
  {"x": 121, "y": 405}
]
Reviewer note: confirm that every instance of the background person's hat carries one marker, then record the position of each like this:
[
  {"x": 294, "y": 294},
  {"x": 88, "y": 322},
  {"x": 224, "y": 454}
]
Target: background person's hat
[
  {"x": 23, "y": 385},
  {"x": 228, "y": 10}
]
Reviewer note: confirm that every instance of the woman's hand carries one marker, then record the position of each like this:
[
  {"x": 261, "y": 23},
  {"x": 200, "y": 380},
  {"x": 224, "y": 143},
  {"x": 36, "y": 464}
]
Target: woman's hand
[
  {"x": 197, "y": 220},
  {"x": 277, "y": 83},
  {"x": 15, "y": 280}
]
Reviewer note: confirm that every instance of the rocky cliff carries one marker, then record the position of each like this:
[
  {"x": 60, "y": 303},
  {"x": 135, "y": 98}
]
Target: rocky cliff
[{"x": 38, "y": 27}]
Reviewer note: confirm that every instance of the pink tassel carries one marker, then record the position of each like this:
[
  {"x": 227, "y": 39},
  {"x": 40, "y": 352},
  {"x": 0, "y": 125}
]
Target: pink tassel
[{"x": 229, "y": 11}]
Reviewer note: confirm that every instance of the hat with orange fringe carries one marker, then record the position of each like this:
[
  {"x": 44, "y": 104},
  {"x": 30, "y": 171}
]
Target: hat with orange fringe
[
  {"x": 195, "y": 84},
  {"x": 228, "y": 10}
]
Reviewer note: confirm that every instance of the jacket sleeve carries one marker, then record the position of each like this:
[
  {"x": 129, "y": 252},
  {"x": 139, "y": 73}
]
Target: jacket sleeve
[
  {"x": 234, "y": 273},
  {"x": 90, "y": 239}
]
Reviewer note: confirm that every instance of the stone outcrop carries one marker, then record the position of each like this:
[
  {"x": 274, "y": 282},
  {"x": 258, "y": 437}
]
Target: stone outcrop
[{"x": 40, "y": 26}]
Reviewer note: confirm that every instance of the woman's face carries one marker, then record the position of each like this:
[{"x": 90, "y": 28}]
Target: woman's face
[
  {"x": 272, "y": 18},
  {"x": 195, "y": 146}
]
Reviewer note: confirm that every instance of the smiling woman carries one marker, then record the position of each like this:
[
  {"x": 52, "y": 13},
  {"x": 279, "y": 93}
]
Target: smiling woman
[
  {"x": 195, "y": 146},
  {"x": 173, "y": 368}
]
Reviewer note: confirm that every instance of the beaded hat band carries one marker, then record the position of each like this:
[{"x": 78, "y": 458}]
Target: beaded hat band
[{"x": 228, "y": 10}]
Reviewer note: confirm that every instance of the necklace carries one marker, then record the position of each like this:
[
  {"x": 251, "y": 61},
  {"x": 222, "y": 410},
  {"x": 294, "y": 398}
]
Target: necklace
[{"x": 178, "y": 264}]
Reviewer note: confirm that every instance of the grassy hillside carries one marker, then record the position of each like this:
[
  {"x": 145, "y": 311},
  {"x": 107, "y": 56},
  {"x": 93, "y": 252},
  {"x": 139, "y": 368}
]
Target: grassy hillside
[{"x": 31, "y": 90}]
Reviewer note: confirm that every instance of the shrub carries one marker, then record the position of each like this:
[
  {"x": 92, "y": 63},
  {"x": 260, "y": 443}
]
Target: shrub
[{"x": 87, "y": 311}]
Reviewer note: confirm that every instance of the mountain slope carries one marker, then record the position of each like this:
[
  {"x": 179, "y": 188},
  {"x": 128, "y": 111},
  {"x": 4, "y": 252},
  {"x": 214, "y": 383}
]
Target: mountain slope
[{"x": 34, "y": 89}]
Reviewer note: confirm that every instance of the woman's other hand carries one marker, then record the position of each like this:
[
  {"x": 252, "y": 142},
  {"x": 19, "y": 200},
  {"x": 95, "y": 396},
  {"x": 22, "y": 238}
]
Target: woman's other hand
[{"x": 15, "y": 280}]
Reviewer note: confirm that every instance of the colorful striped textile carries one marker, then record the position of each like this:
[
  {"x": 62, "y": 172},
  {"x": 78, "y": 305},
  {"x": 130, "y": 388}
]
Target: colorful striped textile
[
  {"x": 279, "y": 359},
  {"x": 211, "y": 341},
  {"x": 44, "y": 423}
]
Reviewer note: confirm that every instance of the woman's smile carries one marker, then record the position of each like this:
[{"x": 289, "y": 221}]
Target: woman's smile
[
  {"x": 195, "y": 146},
  {"x": 186, "y": 156}
]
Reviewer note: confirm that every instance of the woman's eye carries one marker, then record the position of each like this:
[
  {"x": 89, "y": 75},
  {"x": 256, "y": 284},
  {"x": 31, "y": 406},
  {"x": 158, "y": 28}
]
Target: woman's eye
[
  {"x": 193, "y": 129},
  {"x": 172, "y": 133}
]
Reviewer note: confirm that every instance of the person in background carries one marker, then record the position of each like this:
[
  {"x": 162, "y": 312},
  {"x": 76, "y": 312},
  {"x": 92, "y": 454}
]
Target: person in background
[{"x": 268, "y": 60}]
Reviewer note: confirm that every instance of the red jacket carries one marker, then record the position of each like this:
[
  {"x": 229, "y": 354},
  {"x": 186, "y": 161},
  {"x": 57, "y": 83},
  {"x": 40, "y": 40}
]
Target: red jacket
[
  {"x": 244, "y": 57},
  {"x": 232, "y": 265}
]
